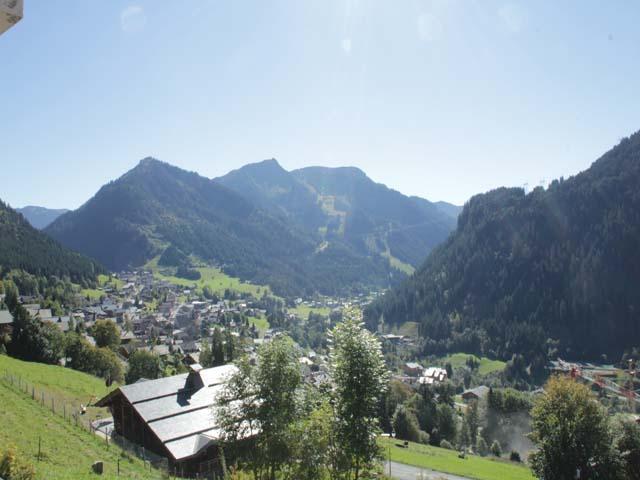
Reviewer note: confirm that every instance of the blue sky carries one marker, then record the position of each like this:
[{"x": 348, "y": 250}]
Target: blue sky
[{"x": 441, "y": 99}]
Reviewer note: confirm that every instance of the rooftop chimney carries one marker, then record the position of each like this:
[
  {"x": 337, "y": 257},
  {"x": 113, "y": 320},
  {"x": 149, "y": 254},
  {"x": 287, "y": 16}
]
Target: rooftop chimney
[{"x": 194, "y": 380}]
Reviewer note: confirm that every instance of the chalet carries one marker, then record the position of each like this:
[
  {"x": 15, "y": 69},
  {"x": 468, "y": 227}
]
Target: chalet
[
  {"x": 413, "y": 369},
  {"x": 63, "y": 323},
  {"x": 173, "y": 417},
  {"x": 6, "y": 322},
  {"x": 477, "y": 393},
  {"x": 433, "y": 376}
]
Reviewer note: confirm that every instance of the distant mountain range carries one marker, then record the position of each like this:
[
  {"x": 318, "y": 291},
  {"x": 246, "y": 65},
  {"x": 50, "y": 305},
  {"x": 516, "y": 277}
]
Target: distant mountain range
[
  {"x": 25, "y": 248},
  {"x": 40, "y": 217},
  {"x": 552, "y": 272},
  {"x": 312, "y": 230}
]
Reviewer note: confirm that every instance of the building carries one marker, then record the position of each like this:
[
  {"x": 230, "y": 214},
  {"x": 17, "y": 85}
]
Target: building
[
  {"x": 413, "y": 369},
  {"x": 10, "y": 13},
  {"x": 477, "y": 393},
  {"x": 6, "y": 322},
  {"x": 173, "y": 417},
  {"x": 433, "y": 375}
]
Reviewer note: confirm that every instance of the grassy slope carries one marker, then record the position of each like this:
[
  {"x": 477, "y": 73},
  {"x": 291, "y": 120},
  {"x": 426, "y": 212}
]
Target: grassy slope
[
  {"x": 443, "y": 460},
  {"x": 302, "y": 311},
  {"x": 215, "y": 278},
  {"x": 67, "y": 450},
  {"x": 487, "y": 366},
  {"x": 64, "y": 384}
]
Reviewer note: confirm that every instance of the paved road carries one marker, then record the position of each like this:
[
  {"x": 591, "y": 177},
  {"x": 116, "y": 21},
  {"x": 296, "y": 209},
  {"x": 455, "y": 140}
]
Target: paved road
[{"x": 401, "y": 471}]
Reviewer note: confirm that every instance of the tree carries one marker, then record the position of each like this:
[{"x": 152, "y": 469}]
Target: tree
[
  {"x": 472, "y": 421},
  {"x": 446, "y": 416},
  {"x": 143, "y": 364},
  {"x": 206, "y": 355},
  {"x": 32, "y": 340},
  {"x": 496, "y": 449},
  {"x": 265, "y": 400},
  {"x": 217, "y": 347},
  {"x": 311, "y": 442},
  {"x": 405, "y": 424},
  {"x": 571, "y": 431},
  {"x": 106, "y": 334},
  {"x": 628, "y": 444},
  {"x": 360, "y": 378},
  {"x": 229, "y": 346}
]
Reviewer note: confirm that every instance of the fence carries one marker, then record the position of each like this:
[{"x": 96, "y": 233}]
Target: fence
[{"x": 74, "y": 413}]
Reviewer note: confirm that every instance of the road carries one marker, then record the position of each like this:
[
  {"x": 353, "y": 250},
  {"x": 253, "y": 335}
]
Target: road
[{"x": 401, "y": 471}]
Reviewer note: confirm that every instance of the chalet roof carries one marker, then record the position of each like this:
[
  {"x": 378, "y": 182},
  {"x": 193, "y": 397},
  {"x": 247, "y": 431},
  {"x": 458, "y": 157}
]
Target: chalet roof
[
  {"x": 5, "y": 317},
  {"x": 178, "y": 409},
  {"x": 478, "y": 392}
]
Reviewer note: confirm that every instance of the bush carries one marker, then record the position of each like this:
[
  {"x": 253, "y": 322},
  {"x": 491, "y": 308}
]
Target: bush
[
  {"x": 424, "y": 438},
  {"x": 446, "y": 444},
  {"x": 14, "y": 467},
  {"x": 482, "y": 448},
  {"x": 514, "y": 456},
  {"x": 496, "y": 449}
]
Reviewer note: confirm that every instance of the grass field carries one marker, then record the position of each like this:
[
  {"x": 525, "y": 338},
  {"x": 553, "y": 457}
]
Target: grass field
[
  {"x": 92, "y": 293},
  {"x": 214, "y": 278},
  {"x": 67, "y": 451},
  {"x": 64, "y": 384},
  {"x": 443, "y": 460},
  {"x": 261, "y": 323},
  {"x": 457, "y": 360},
  {"x": 302, "y": 311}
]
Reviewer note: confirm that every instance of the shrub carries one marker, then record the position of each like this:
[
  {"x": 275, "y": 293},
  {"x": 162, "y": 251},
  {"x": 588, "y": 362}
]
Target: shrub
[
  {"x": 496, "y": 450},
  {"x": 514, "y": 456},
  {"x": 446, "y": 444},
  {"x": 424, "y": 437},
  {"x": 482, "y": 448},
  {"x": 14, "y": 467}
]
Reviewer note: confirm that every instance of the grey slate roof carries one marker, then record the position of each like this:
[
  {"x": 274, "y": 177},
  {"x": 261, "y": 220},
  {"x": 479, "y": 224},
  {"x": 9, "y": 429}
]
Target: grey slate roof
[
  {"x": 5, "y": 317},
  {"x": 180, "y": 416},
  {"x": 479, "y": 392}
]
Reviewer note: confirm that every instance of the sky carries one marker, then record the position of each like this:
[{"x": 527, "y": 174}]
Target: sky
[{"x": 441, "y": 99}]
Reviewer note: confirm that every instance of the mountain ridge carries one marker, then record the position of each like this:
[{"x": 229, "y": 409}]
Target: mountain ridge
[
  {"x": 41, "y": 217},
  {"x": 540, "y": 274},
  {"x": 24, "y": 247},
  {"x": 155, "y": 205}
]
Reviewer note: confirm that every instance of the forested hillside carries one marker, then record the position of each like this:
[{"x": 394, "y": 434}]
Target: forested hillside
[
  {"x": 23, "y": 247},
  {"x": 555, "y": 271},
  {"x": 344, "y": 206},
  {"x": 155, "y": 206}
]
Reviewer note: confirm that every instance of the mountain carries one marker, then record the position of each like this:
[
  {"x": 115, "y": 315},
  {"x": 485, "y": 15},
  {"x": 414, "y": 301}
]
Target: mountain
[
  {"x": 40, "y": 217},
  {"x": 156, "y": 206},
  {"x": 449, "y": 209},
  {"x": 23, "y": 247},
  {"x": 344, "y": 206},
  {"x": 552, "y": 272}
]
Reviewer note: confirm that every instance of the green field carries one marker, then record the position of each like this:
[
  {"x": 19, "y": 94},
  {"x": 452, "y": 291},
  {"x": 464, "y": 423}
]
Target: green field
[
  {"x": 92, "y": 293},
  {"x": 63, "y": 384},
  {"x": 214, "y": 278},
  {"x": 443, "y": 460},
  {"x": 457, "y": 360},
  {"x": 302, "y": 311},
  {"x": 261, "y": 323},
  {"x": 67, "y": 451}
]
